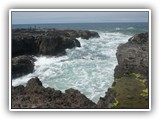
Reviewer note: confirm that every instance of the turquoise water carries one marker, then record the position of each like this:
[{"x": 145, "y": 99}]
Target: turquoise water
[{"x": 89, "y": 68}]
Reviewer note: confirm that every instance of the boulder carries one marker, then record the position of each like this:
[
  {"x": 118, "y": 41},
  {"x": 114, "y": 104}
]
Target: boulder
[
  {"x": 33, "y": 85},
  {"x": 22, "y": 65}
]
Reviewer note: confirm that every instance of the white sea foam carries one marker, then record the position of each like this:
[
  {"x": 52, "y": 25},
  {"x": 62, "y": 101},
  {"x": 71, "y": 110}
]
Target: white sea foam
[
  {"x": 130, "y": 28},
  {"x": 89, "y": 68},
  {"x": 118, "y": 28}
]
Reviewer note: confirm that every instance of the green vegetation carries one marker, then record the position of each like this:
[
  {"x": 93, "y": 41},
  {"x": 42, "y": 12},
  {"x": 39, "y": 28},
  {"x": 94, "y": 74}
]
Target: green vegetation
[
  {"x": 115, "y": 103},
  {"x": 130, "y": 92},
  {"x": 144, "y": 93},
  {"x": 134, "y": 74}
]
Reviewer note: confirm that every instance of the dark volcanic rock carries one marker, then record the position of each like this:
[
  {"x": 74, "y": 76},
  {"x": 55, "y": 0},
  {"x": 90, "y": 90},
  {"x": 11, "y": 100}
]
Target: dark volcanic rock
[
  {"x": 85, "y": 34},
  {"x": 42, "y": 42},
  {"x": 23, "y": 45},
  {"x": 55, "y": 45},
  {"x": 22, "y": 65},
  {"x": 133, "y": 56},
  {"x": 139, "y": 38},
  {"x": 107, "y": 100},
  {"x": 34, "y": 95},
  {"x": 33, "y": 83},
  {"x": 46, "y": 41},
  {"x": 50, "y": 45}
]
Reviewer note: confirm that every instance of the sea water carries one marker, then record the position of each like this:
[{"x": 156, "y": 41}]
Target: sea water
[{"x": 90, "y": 68}]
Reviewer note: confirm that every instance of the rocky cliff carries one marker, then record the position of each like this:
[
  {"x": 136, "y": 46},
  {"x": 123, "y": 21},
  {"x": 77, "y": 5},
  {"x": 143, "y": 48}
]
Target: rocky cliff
[
  {"x": 46, "y": 41},
  {"x": 130, "y": 87},
  {"x": 53, "y": 42}
]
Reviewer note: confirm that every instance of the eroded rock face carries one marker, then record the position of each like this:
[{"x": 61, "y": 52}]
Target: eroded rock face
[
  {"x": 22, "y": 65},
  {"x": 55, "y": 45},
  {"x": 42, "y": 42},
  {"x": 23, "y": 45},
  {"x": 133, "y": 56},
  {"x": 130, "y": 87},
  {"x": 34, "y": 95},
  {"x": 107, "y": 100},
  {"x": 46, "y": 41}
]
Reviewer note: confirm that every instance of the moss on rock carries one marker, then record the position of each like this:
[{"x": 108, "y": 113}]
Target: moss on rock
[
  {"x": 130, "y": 92},
  {"x": 115, "y": 103},
  {"x": 144, "y": 93}
]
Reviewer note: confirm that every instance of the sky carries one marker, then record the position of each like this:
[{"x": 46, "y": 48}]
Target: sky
[{"x": 77, "y": 17}]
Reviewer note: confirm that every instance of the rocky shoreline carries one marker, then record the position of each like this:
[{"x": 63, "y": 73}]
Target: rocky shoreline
[
  {"x": 131, "y": 76},
  {"x": 130, "y": 87},
  {"x": 27, "y": 43},
  {"x": 34, "y": 95},
  {"x": 46, "y": 41}
]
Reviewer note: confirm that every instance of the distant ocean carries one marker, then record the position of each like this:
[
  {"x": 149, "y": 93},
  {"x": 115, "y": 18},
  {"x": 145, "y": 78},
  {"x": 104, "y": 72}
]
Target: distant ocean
[{"x": 89, "y": 68}]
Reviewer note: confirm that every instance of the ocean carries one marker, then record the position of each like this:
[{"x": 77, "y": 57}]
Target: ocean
[{"x": 90, "y": 68}]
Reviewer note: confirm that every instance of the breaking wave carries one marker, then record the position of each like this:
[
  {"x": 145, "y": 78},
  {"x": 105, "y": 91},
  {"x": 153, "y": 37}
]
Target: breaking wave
[{"x": 89, "y": 68}]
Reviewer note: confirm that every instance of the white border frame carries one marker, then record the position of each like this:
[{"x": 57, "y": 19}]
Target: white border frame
[{"x": 80, "y": 10}]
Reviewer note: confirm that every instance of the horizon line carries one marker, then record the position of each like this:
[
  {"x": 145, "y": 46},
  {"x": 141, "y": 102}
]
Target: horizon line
[{"x": 75, "y": 23}]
